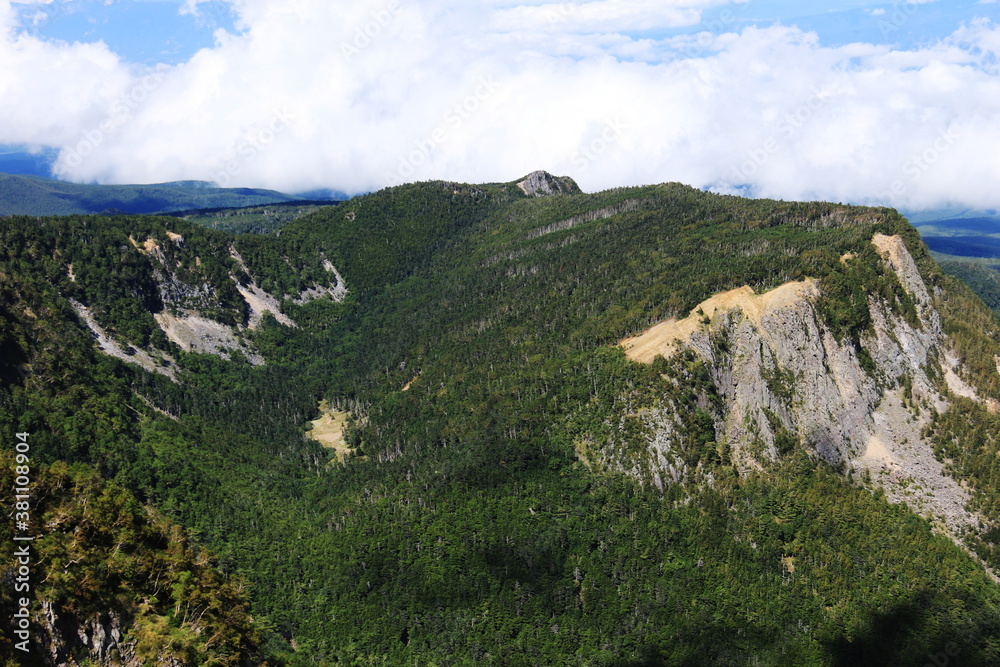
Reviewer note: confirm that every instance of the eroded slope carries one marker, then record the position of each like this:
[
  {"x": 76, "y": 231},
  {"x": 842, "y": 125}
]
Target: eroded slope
[{"x": 787, "y": 380}]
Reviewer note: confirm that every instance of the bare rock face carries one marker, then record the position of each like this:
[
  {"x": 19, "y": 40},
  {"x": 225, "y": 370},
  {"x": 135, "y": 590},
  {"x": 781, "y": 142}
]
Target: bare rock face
[
  {"x": 154, "y": 360},
  {"x": 99, "y": 639},
  {"x": 193, "y": 333},
  {"x": 786, "y": 380},
  {"x": 542, "y": 183},
  {"x": 186, "y": 319}
]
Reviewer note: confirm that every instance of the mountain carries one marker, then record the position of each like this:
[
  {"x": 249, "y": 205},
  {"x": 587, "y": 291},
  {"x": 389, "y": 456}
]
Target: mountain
[
  {"x": 966, "y": 244},
  {"x": 34, "y": 195},
  {"x": 113, "y": 569},
  {"x": 517, "y": 424},
  {"x": 964, "y": 233},
  {"x": 22, "y": 162},
  {"x": 930, "y": 216}
]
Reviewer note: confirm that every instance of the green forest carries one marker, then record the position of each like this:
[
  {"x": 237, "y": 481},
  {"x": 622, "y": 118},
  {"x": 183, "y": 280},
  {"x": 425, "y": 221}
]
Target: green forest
[
  {"x": 467, "y": 527},
  {"x": 252, "y": 219},
  {"x": 984, "y": 280}
]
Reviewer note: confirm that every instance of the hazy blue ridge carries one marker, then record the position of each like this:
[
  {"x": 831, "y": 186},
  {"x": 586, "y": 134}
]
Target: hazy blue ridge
[{"x": 35, "y": 195}]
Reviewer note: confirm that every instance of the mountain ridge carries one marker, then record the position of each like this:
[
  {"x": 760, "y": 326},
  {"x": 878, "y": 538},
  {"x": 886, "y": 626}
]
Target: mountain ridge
[
  {"x": 35, "y": 195},
  {"x": 864, "y": 429},
  {"x": 495, "y": 494}
]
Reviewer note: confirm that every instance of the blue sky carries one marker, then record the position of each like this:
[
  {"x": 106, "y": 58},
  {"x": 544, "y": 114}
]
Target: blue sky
[
  {"x": 156, "y": 31},
  {"x": 870, "y": 102},
  {"x": 141, "y": 31}
]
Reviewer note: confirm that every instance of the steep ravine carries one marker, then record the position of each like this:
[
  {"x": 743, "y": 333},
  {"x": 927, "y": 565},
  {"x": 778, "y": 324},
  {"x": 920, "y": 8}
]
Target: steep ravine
[
  {"x": 785, "y": 377},
  {"x": 186, "y": 319}
]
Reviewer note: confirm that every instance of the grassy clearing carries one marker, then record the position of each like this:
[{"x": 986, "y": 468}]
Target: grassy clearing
[{"x": 328, "y": 430}]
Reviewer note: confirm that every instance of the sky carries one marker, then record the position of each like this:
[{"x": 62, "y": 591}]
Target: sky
[{"x": 891, "y": 103}]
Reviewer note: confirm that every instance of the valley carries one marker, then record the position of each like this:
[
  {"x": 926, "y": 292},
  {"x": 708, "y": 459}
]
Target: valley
[{"x": 513, "y": 424}]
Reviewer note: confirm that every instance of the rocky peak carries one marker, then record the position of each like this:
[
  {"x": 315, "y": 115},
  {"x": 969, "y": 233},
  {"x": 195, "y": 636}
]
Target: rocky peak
[{"x": 542, "y": 183}]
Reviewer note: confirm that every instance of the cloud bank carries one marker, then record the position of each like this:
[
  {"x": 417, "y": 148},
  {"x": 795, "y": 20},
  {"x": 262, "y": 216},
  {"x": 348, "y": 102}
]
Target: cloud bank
[{"x": 360, "y": 95}]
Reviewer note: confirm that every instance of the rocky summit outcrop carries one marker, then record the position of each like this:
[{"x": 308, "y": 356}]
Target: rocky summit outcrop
[
  {"x": 787, "y": 380},
  {"x": 542, "y": 183}
]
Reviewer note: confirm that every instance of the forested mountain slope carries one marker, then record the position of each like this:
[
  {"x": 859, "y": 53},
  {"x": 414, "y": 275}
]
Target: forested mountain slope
[
  {"x": 119, "y": 584},
  {"x": 983, "y": 279},
  {"x": 263, "y": 219},
  {"x": 645, "y": 426}
]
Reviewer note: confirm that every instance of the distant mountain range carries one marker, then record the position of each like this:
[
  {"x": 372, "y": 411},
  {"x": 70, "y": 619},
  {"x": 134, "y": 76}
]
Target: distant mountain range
[
  {"x": 35, "y": 195},
  {"x": 26, "y": 163},
  {"x": 977, "y": 236}
]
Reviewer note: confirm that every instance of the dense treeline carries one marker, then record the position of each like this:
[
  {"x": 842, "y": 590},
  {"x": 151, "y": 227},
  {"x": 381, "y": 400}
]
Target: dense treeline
[
  {"x": 983, "y": 280},
  {"x": 128, "y": 268},
  {"x": 475, "y": 523},
  {"x": 253, "y": 219},
  {"x": 102, "y": 560}
]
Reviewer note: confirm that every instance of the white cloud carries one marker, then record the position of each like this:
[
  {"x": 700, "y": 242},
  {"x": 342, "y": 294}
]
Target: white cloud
[
  {"x": 50, "y": 91},
  {"x": 603, "y": 16},
  {"x": 355, "y": 96}
]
